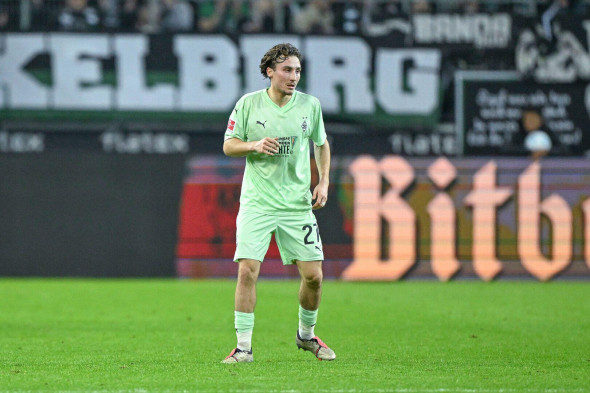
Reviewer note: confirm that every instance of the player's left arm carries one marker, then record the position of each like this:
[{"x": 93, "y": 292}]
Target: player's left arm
[{"x": 322, "y": 160}]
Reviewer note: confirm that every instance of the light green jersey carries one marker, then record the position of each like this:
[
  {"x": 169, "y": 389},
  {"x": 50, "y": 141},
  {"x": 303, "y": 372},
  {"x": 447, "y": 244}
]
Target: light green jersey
[{"x": 278, "y": 183}]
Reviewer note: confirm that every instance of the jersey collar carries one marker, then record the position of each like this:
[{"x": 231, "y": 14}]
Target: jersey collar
[{"x": 274, "y": 105}]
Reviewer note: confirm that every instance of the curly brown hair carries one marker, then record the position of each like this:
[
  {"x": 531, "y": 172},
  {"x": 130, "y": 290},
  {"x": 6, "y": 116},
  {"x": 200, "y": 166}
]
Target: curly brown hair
[{"x": 278, "y": 54}]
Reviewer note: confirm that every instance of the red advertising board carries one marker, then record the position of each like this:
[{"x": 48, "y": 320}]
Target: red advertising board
[{"x": 390, "y": 218}]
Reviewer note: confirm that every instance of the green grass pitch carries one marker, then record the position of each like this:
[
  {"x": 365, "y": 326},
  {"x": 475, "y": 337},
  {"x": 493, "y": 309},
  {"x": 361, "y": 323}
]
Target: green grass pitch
[{"x": 143, "y": 336}]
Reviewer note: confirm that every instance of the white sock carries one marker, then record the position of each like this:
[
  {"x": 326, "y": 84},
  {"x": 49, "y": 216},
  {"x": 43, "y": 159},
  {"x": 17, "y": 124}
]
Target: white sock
[
  {"x": 307, "y": 321},
  {"x": 306, "y": 332},
  {"x": 244, "y": 323},
  {"x": 245, "y": 341}
]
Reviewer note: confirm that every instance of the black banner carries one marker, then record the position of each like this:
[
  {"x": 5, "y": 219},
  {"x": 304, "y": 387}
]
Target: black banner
[
  {"x": 492, "y": 116},
  {"x": 85, "y": 214},
  {"x": 157, "y": 140},
  {"x": 556, "y": 51}
]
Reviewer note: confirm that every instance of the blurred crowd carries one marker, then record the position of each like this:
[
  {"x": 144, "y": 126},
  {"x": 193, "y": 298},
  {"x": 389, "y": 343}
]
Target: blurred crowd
[{"x": 249, "y": 16}]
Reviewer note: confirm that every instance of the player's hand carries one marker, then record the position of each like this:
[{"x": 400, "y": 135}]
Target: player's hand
[
  {"x": 268, "y": 146},
  {"x": 320, "y": 195}
]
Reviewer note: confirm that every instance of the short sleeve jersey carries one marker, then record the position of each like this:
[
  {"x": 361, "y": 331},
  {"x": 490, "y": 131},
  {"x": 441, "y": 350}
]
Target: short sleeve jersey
[{"x": 279, "y": 183}]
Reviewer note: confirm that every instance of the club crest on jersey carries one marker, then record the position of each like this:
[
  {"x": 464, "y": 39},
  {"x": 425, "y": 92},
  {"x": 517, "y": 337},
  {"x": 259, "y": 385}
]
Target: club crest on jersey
[
  {"x": 287, "y": 146},
  {"x": 304, "y": 125}
]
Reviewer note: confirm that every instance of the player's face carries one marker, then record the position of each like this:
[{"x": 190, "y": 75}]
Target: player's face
[{"x": 285, "y": 76}]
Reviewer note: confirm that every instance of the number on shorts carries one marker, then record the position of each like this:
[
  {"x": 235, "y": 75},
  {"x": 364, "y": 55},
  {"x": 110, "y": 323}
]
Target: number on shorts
[{"x": 309, "y": 230}]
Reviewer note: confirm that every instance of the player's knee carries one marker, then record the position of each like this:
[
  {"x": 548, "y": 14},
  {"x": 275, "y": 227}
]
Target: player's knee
[
  {"x": 314, "y": 279},
  {"x": 246, "y": 277},
  {"x": 247, "y": 274}
]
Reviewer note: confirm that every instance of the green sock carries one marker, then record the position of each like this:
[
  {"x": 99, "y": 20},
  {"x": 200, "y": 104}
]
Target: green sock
[
  {"x": 307, "y": 321},
  {"x": 244, "y": 323}
]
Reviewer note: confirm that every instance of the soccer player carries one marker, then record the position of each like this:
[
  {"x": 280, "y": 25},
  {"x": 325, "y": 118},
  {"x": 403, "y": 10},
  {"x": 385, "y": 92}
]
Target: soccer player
[{"x": 272, "y": 128}]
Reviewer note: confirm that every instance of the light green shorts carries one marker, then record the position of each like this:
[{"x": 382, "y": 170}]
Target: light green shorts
[{"x": 296, "y": 234}]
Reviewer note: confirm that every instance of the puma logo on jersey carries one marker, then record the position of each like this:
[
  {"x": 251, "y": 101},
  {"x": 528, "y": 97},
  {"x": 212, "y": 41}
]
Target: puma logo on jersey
[{"x": 261, "y": 123}]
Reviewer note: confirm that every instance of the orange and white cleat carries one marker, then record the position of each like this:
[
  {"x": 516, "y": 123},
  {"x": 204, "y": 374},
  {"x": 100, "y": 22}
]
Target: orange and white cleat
[
  {"x": 317, "y": 346},
  {"x": 239, "y": 356}
]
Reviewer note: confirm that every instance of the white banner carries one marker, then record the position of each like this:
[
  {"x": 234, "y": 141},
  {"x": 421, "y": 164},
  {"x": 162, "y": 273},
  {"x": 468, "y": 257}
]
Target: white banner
[{"x": 348, "y": 74}]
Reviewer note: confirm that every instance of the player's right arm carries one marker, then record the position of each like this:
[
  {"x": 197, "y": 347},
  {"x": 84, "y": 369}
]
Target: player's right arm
[
  {"x": 236, "y": 141},
  {"x": 234, "y": 147}
]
